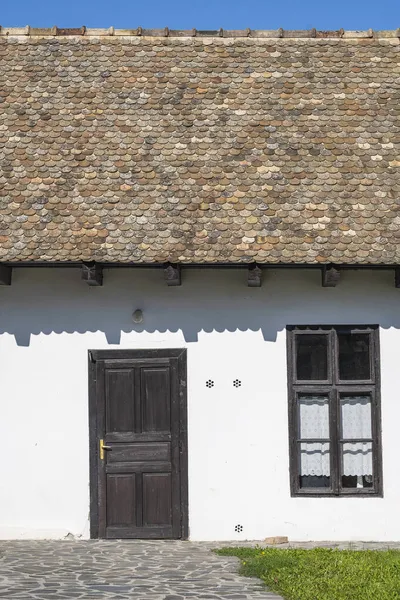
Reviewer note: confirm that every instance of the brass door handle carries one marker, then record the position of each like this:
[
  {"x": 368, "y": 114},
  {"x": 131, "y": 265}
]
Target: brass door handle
[{"x": 102, "y": 448}]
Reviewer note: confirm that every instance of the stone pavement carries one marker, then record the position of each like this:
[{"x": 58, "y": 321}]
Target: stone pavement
[{"x": 134, "y": 570}]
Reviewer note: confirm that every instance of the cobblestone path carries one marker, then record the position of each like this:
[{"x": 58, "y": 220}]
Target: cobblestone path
[{"x": 166, "y": 570}]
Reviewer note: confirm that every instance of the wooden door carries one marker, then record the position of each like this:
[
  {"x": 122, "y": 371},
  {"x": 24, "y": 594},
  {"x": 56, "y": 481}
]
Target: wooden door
[{"x": 138, "y": 444}]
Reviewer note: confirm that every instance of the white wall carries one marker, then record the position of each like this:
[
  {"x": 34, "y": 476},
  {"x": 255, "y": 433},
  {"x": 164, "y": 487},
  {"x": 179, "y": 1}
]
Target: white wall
[{"x": 238, "y": 438}]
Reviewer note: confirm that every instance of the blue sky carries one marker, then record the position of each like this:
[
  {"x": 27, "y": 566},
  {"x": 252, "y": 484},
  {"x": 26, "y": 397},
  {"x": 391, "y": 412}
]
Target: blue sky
[{"x": 203, "y": 14}]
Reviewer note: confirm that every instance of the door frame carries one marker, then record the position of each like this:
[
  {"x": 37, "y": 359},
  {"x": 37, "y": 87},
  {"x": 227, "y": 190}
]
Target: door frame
[{"x": 93, "y": 357}]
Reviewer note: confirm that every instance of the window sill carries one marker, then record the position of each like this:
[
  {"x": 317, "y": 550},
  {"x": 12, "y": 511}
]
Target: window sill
[{"x": 350, "y": 494}]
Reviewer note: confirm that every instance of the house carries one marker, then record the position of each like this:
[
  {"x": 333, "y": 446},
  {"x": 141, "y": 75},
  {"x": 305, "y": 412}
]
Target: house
[{"x": 199, "y": 311}]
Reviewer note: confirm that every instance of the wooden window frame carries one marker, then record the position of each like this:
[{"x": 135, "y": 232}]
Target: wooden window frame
[{"x": 333, "y": 388}]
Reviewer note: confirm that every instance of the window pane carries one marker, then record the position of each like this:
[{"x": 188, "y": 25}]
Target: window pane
[
  {"x": 314, "y": 465},
  {"x": 314, "y": 417},
  {"x": 354, "y": 359},
  {"x": 357, "y": 465},
  {"x": 312, "y": 357},
  {"x": 356, "y": 416}
]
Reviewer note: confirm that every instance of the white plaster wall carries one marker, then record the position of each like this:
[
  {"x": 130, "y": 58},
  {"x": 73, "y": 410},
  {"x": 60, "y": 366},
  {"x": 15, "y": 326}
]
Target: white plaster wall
[{"x": 238, "y": 438}]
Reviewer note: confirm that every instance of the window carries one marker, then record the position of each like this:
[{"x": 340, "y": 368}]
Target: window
[{"x": 334, "y": 411}]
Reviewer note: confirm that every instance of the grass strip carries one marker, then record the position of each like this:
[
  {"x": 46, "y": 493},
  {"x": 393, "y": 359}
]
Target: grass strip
[{"x": 322, "y": 573}]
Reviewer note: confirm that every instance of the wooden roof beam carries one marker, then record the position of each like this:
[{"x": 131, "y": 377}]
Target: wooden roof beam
[
  {"x": 254, "y": 274},
  {"x": 172, "y": 274},
  {"x": 5, "y": 275},
  {"x": 397, "y": 277},
  {"x": 92, "y": 273},
  {"x": 330, "y": 276}
]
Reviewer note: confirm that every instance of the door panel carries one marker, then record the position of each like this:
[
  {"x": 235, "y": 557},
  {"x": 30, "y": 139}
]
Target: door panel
[
  {"x": 119, "y": 413},
  {"x": 140, "y": 451},
  {"x": 157, "y": 496},
  {"x": 121, "y": 499},
  {"x": 141, "y": 486},
  {"x": 156, "y": 415}
]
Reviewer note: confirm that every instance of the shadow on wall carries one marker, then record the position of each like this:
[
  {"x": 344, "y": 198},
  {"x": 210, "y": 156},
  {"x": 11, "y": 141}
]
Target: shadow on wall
[{"x": 46, "y": 300}]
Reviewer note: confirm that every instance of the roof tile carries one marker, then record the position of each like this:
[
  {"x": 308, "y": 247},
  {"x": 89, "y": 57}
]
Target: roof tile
[{"x": 149, "y": 146}]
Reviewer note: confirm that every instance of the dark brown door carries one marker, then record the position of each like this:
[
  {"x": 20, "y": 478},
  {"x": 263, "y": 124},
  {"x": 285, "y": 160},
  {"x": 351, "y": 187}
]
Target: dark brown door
[{"x": 138, "y": 443}]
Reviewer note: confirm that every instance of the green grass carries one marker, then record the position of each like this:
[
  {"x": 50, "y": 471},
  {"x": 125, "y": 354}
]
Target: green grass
[{"x": 323, "y": 574}]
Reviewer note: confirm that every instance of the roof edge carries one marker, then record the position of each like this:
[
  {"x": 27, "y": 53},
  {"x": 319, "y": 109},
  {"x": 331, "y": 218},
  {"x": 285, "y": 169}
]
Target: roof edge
[
  {"x": 237, "y": 264},
  {"x": 214, "y": 33}
]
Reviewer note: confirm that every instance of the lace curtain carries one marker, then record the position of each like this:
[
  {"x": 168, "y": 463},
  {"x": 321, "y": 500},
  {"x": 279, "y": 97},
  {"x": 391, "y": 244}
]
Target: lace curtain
[{"x": 356, "y": 423}]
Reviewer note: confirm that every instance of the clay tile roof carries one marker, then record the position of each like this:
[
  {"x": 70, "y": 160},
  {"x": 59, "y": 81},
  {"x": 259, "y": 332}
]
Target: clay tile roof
[{"x": 199, "y": 146}]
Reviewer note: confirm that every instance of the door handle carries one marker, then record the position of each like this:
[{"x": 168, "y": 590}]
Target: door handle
[{"x": 102, "y": 448}]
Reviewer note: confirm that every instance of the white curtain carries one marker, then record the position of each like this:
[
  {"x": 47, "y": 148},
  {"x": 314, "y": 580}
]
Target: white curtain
[
  {"x": 356, "y": 417},
  {"x": 315, "y": 459},
  {"x": 314, "y": 423},
  {"x": 357, "y": 459},
  {"x": 356, "y": 423}
]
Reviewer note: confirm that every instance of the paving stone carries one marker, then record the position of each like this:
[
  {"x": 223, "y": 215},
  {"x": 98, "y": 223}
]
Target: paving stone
[{"x": 122, "y": 570}]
